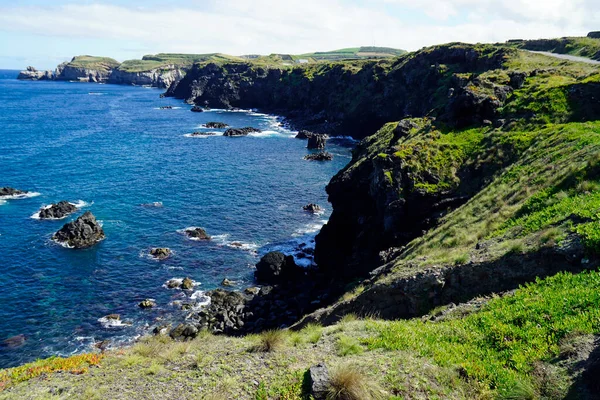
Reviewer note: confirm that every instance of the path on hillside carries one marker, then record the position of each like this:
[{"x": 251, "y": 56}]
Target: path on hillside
[{"x": 567, "y": 57}]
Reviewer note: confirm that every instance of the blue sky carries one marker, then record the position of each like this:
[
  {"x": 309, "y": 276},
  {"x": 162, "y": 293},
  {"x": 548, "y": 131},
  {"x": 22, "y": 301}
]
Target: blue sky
[{"x": 43, "y": 34}]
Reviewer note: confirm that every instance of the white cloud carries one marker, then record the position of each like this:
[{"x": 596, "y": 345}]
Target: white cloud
[{"x": 296, "y": 26}]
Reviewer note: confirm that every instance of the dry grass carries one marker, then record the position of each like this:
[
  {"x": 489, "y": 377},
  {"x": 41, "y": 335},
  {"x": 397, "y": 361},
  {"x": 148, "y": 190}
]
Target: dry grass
[
  {"x": 348, "y": 383},
  {"x": 270, "y": 341}
]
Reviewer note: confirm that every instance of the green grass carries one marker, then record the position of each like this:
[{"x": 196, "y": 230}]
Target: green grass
[
  {"x": 499, "y": 345},
  {"x": 575, "y": 46},
  {"x": 91, "y": 62}
]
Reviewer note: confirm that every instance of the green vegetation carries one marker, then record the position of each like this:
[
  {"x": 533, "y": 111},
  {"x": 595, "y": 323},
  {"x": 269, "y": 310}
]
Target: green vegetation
[
  {"x": 164, "y": 60},
  {"x": 353, "y": 53},
  {"x": 575, "y": 46},
  {"x": 91, "y": 62},
  {"x": 496, "y": 352}
]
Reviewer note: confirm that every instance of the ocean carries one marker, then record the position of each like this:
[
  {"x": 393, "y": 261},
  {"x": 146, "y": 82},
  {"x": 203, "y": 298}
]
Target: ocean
[{"x": 111, "y": 150}]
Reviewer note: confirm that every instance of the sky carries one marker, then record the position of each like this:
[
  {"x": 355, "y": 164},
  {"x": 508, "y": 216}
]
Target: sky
[{"x": 46, "y": 33}]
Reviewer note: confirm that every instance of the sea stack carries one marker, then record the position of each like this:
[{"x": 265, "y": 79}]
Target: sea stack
[{"x": 84, "y": 232}]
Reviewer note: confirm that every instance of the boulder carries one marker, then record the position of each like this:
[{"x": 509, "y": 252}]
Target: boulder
[
  {"x": 252, "y": 291},
  {"x": 227, "y": 282},
  {"x": 319, "y": 381},
  {"x": 84, "y": 232},
  {"x": 160, "y": 253},
  {"x": 197, "y": 109},
  {"x": 166, "y": 107},
  {"x": 216, "y": 125},
  {"x": 58, "y": 210},
  {"x": 240, "y": 131},
  {"x": 147, "y": 303},
  {"x": 187, "y": 284},
  {"x": 8, "y": 191},
  {"x": 184, "y": 332},
  {"x": 197, "y": 234},
  {"x": 321, "y": 156},
  {"x": 275, "y": 267},
  {"x": 316, "y": 142},
  {"x": 305, "y": 134},
  {"x": 312, "y": 208},
  {"x": 114, "y": 317},
  {"x": 203, "y": 133},
  {"x": 13, "y": 342},
  {"x": 594, "y": 35}
]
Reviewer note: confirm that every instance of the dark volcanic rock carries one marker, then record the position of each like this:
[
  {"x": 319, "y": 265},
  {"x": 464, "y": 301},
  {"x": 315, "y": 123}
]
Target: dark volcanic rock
[
  {"x": 312, "y": 208},
  {"x": 147, "y": 303},
  {"x": 319, "y": 381},
  {"x": 184, "y": 332},
  {"x": 197, "y": 234},
  {"x": 240, "y": 131},
  {"x": 216, "y": 125},
  {"x": 197, "y": 109},
  {"x": 166, "y": 107},
  {"x": 316, "y": 142},
  {"x": 58, "y": 210},
  {"x": 13, "y": 342},
  {"x": 594, "y": 35},
  {"x": 321, "y": 156},
  {"x": 187, "y": 283},
  {"x": 203, "y": 134},
  {"x": 8, "y": 191},
  {"x": 84, "y": 232},
  {"x": 275, "y": 267},
  {"x": 160, "y": 253},
  {"x": 304, "y": 134}
]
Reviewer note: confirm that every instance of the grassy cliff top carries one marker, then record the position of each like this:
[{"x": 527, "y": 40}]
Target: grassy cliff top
[
  {"x": 526, "y": 345},
  {"x": 162, "y": 60},
  {"x": 575, "y": 46},
  {"x": 92, "y": 62}
]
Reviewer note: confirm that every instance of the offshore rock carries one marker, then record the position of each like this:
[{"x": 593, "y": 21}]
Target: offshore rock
[
  {"x": 197, "y": 234},
  {"x": 58, "y": 210},
  {"x": 160, "y": 253},
  {"x": 84, "y": 232},
  {"x": 8, "y": 191},
  {"x": 197, "y": 109},
  {"x": 304, "y": 134},
  {"x": 312, "y": 208},
  {"x": 32, "y": 74},
  {"x": 240, "y": 131},
  {"x": 321, "y": 156},
  {"x": 316, "y": 142},
  {"x": 216, "y": 125}
]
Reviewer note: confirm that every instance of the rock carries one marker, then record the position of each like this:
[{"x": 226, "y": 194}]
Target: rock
[
  {"x": 13, "y": 342},
  {"x": 321, "y": 156},
  {"x": 197, "y": 234},
  {"x": 216, "y": 125},
  {"x": 114, "y": 317},
  {"x": 275, "y": 267},
  {"x": 147, "y": 303},
  {"x": 58, "y": 210},
  {"x": 319, "y": 381},
  {"x": 253, "y": 291},
  {"x": 312, "y": 208},
  {"x": 316, "y": 142},
  {"x": 173, "y": 284},
  {"x": 166, "y": 107},
  {"x": 187, "y": 284},
  {"x": 197, "y": 109},
  {"x": 404, "y": 127},
  {"x": 594, "y": 35},
  {"x": 84, "y": 232},
  {"x": 240, "y": 131},
  {"x": 160, "y": 253},
  {"x": 305, "y": 134},
  {"x": 227, "y": 282},
  {"x": 161, "y": 329},
  {"x": 517, "y": 79},
  {"x": 8, "y": 191},
  {"x": 32, "y": 74},
  {"x": 184, "y": 332}
]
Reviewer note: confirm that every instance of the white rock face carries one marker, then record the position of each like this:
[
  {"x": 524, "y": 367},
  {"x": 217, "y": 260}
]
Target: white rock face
[{"x": 161, "y": 77}]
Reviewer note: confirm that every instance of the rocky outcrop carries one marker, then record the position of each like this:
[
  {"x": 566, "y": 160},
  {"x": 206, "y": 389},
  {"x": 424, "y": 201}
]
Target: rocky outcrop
[
  {"x": 203, "y": 134},
  {"x": 161, "y": 253},
  {"x": 240, "y": 131},
  {"x": 84, "y": 232},
  {"x": 304, "y": 134},
  {"x": 321, "y": 156},
  {"x": 275, "y": 267},
  {"x": 316, "y": 142},
  {"x": 197, "y": 109},
  {"x": 197, "y": 234},
  {"x": 147, "y": 303},
  {"x": 312, "y": 208},
  {"x": 337, "y": 99},
  {"x": 216, "y": 125},
  {"x": 58, "y": 210},
  {"x": 8, "y": 191},
  {"x": 32, "y": 74},
  {"x": 594, "y": 35}
]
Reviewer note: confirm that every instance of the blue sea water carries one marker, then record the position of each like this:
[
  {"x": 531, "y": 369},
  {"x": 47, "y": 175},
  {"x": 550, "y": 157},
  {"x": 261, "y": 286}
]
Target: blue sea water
[{"x": 112, "y": 149}]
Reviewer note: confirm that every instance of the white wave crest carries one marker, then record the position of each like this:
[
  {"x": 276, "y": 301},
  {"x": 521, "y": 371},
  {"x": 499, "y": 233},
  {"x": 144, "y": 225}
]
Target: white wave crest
[
  {"x": 208, "y": 134},
  {"x": 202, "y": 300},
  {"x": 108, "y": 323},
  {"x": 223, "y": 240},
  {"x": 20, "y": 196},
  {"x": 178, "y": 282}
]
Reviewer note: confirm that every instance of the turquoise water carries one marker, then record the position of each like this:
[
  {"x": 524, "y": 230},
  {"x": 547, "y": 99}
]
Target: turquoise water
[{"x": 111, "y": 149}]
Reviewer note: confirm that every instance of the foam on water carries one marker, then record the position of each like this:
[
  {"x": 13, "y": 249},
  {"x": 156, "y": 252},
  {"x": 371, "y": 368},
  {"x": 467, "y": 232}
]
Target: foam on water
[
  {"x": 20, "y": 196},
  {"x": 209, "y": 134},
  {"x": 109, "y": 323},
  {"x": 223, "y": 240}
]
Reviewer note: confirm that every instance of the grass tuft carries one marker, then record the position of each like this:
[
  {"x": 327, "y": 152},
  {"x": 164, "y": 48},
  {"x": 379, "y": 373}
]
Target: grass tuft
[{"x": 348, "y": 383}]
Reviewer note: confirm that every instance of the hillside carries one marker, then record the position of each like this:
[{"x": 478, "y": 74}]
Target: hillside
[
  {"x": 460, "y": 260},
  {"x": 576, "y": 46}
]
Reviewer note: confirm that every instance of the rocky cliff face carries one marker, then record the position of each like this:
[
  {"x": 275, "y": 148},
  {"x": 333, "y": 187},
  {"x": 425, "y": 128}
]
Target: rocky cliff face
[
  {"x": 162, "y": 78},
  {"x": 32, "y": 74},
  {"x": 353, "y": 99}
]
